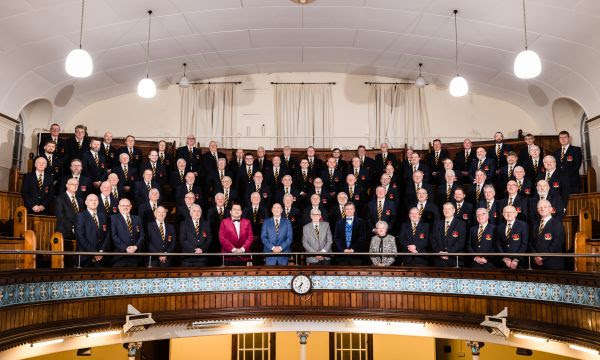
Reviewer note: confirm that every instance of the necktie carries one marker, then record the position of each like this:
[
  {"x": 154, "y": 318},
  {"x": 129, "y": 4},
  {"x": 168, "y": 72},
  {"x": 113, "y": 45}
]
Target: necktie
[
  {"x": 153, "y": 169},
  {"x": 478, "y": 192},
  {"x": 510, "y": 201},
  {"x": 437, "y": 157},
  {"x": 226, "y": 197},
  {"x": 95, "y": 158},
  {"x": 548, "y": 175},
  {"x": 254, "y": 213},
  {"x": 448, "y": 191},
  {"x": 541, "y": 227},
  {"x": 479, "y": 164},
  {"x": 479, "y": 233},
  {"x": 330, "y": 173},
  {"x": 510, "y": 171},
  {"x": 153, "y": 207},
  {"x": 304, "y": 174},
  {"x": 129, "y": 225},
  {"x": 276, "y": 226},
  {"x": 446, "y": 228},
  {"x": 221, "y": 174},
  {"x": 50, "y": 160},
  {"x": 384, "y": 156},
  {"x": 220, "y": 212},
  {"x": 351, "y": 191},
  {"x": 215, "y": 156},
  {"x": 130, "y": 150},
  {"x": 161, "y": 229},
  {"x": 355, "y": 172},
  {"x": 249, "y": 172},
  {"x": 106, "y": 204},
  {"x": 343, "y": 214},
  {"x": 417, "y": 187},
  {"x": 287, "y": 190},
  {"x": 181, "y": 177},
  {"x": 562, "y": 154},
  {"x": 40, "y": 180},
  {"x": 260, "y": 163},
  {"x": 458, "y": 206},
  {"x": 79, "y": 143},
  {"x": 414, "y": 228},
  {"x": 489, "y": 205},
  {"x": 196, "y": 227},
  {"x": 189, "y": 187},
  {"x": 414, "y": 168},
  {"x": 508, "y": 229},
  {"x": 310, "y": 163},
  {"x": 420, "y": 208},
  {"x": 125, "y": 172},
  {"x": 161, "y": 157},
  {"x": 519, "y": 184},
  {"x": 74, "y": 204},
  {"x": 276, "y": 174},
  {"x": 467, "y": 153},
  {"x": 148, "y": 186},
  {"x": 115, "y": 193},
  {"x": 317, "y": 231},
  {"x": 498, "y": 150},
  {"x": 535, "y": 165},
  {"x": 379, "y": 210},
  {"x": 95, "y": 217}
]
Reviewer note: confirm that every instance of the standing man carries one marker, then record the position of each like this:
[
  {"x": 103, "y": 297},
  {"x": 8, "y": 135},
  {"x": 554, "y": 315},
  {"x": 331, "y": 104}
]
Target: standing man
[
  {"x": 350, "y": 236},
  {"x": 127, "y": 235},
  {"x": 548, "y": 237},
  {"x": 449, "y": 236},
  {"x": 210, "y": 158},
  {"x": 37, "y": 188},
  {"x": 94, "y": 164},
  {"x": 191, "y": 154},
  {"x": 415, "y": 238},
  {"x": 482, "y": 239},
  {"x": 55, "y": 137},
  {"x": 511, "y": 237},
  {"x": 161, "y": 238},
  {"x": 77, "y": 144},
  {"x": 195, "y": 237},
  {"x": 235, "y": 235},
  {"x": 316, "y": 237},
  {"x": 277, "y": 236},
  {"x": 68, "y": 205},
  {"x": 135, "y": 155},
  {"x": 568, "y": 159},
  {"x": 92, "y": 233}
]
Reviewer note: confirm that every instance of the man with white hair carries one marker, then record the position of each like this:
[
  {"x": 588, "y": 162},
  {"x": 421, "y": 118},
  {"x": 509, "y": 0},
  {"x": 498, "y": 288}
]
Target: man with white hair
[
  {"x": 68, "y": 205},
  {"x": 195, "y": 237},
  {"x": 482, "y": 239},
  {"x": 512, "y": 236},
  {"x": 449, "y": 236},
  {"x": 316, "y": 237},
  {"x": 191, "y": 154},
  {"x": 533, "y": 164},
  {"x": 211, "y": 157},
  {"x": 142, "y": 187},
  {"x": 559, "y": 184},
  {"x": 381, "y": 209},
  {"x": 415, "y": 237},
  {"x": 548, "y": 237},
  {"x": 126, "y": 172},
  {"x": 135, "y": 154},
  {"x": 445, "y": 191},
  {"x": 484, "y": 163},
  {"x": 127, "y": 235},
  {"x": 109, "y": 151},
  {"x": 543, "y": 193},
  {"x": 261, "y": 162},
  {"x": 159, "y": 171},
  {"x": 147, "y": 208},
  {"x": 490, "y": 203},
  {"x": 177, "y": 177},
  {"x": 463, "y": 160},
  {"x": 92, "y": 232},
  {"x": 161, "y": 237}
]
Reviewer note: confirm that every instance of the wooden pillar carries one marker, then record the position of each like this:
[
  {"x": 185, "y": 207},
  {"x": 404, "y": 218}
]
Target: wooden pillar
[
  {"x": 29, "y": 244},
  {"x": 581, "y": 248},
  {"x": 57, "y": 244},
  {"x": 20, "y": 222}
]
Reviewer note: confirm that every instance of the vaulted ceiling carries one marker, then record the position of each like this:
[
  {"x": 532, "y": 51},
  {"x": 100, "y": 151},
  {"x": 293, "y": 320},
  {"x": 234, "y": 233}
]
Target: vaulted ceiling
[{"x": 234, "y": 37}]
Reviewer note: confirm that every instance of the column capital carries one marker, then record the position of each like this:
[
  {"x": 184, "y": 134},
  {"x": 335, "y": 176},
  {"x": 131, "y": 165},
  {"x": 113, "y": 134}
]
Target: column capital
[{"x": 302, "y": 337}]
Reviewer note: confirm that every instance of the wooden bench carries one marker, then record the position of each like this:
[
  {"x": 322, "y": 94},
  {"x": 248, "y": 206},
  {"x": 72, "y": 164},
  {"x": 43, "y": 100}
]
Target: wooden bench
[
  {"x": 586, "y": 244},
  {"x": 12, "y": 262}
]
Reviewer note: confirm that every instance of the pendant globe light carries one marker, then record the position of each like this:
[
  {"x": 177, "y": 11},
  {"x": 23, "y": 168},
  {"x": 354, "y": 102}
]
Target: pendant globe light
[
  {"x": 420, "y": 80},
  {"x": 527, "y": 63},
  {"x": 79, "y": 63},
  {"x": 458, "y": 86},
  {"x": 146, "y": 87},
  {"x": 184, "y": 82}
]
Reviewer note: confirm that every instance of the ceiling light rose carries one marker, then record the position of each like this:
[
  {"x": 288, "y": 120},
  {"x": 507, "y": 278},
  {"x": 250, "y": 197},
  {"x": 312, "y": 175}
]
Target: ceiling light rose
[
  {"x": 302, "y": 2},
  {"x": 458, "y": 86},
  {"x": 184, "y": 82},
  {"x": 527, "y": 63},
  {"x": 146, "y": 87},
  {"x": 79, "y": 63},
  {"x": 420, "y": 80}
]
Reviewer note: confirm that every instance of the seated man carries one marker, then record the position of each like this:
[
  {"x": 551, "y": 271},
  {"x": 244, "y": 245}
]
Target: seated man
[
  {"x": 127, "y": 235},
  {"x": 482, "y": 239},
  {"x": 415, "y": 238},
  {"x": 449, "y": 236},
  {"x": 511, "y": 237},
  {"x": 235, "y": 235},
  {"x": 37, "y": 188},
  {"x": 549, "y": 237},
  {"x": 161, "y": 238},
  {"x": 92, "y": 233},
  {"x": 277, "y": 236},
  {"x": 195, "y": 237},
  {"x": 350, "y": 236},
  {"x": 68, "y": 205},
  {"x": 316, "y": 237}
]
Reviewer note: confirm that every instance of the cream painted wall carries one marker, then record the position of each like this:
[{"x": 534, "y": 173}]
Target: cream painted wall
[
  {"x": 450, "y": 118},
  {"x": 108, "y": 352},
  {"x": 489, "y": 351},
  {"x": 7, "y": 137},
  {"x": 594, "y": 128}
]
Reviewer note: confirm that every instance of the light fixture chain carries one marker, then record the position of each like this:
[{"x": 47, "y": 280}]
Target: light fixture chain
[
  {"x": 525, "y": 24},
  {"x": 455, "y": 41},
  {"x": 81, "y": 23},
  {"x": 148, "y": 44}
]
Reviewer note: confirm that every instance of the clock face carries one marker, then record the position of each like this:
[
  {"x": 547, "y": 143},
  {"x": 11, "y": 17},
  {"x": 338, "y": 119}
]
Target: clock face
[{"x": 301, "y": 284}]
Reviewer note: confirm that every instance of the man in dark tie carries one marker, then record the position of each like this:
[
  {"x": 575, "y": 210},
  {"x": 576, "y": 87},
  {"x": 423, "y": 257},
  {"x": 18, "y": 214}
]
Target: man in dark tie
[
  {"x": 381, "y": 209},
  {"x": 108, "y": 151},
  {"x": 435, "y": 160},
  {"x": 316, "y": 237},
  {"x": 512, "y": 236},
  {"x": 107, "y": 202},
  {"x": 142, "y": 187},
  {"x": 211, "y": 157},
  {"x": 500, "y": 150},
  {"x": 484, "y": 163},
  {"x": 261, "y": 162},
  {"x": 568, "y": 159},
  {"x": 288, "y": 162},
  {"x": 277, "y": 236},
  {"x": 482, "y": 239},
  {"x": 147, "y": 208},
  {"x": 177, "y": 177},
  {"x": 55, "y": 137},
  {"x": 94, "y": 166},
  {"x": 463, "y": 160},
  {"x": 135, "y": 155},
  {"x": 37, "y": 191},
  {"x": 548, "y": 237},
  {"x": 191, "y": 154},
  {"x": 449, "y": 236},
  {"x": 195, "y": 237},
  {"x": 127, "y": 235},
  {"x": 159, "y": 173},
  {"x": 350, "y": 236},
  {"x": 559, "y": 183},
  {"x": 77, "y": 144},
  {"x": 75, "y": 171},
  {"x": 92, "y": 232},
  {"x": 415, "y": 238},
  {"x": 161, "y": 238},
  {"x": 68, "y": 205},
  {"x": 55, "y": 163},
  {"x": 126, "y": 172},
  {"x": 190, "y": 186}
]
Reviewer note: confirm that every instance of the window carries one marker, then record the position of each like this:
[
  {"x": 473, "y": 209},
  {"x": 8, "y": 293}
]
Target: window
[
  {"x": 350, "y": 346},
  {"x": 257, "y": 346}
]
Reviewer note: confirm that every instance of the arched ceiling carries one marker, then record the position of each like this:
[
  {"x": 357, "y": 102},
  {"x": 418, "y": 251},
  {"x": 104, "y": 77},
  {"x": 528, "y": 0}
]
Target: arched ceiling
[{"x": 233, "y": 37}]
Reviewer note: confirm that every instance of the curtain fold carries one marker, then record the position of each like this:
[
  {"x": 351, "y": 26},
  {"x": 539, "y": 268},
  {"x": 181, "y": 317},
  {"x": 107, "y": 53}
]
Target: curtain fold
[
  {"x": 303, "y": 115},
  {"x": 209, "y": 112},
  {"x": 398, "y": 116}
]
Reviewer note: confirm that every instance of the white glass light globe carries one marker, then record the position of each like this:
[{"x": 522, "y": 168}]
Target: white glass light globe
[
  {"x": 420, "y": 82},
  {"x": 184, "y": 82},
  {"x": 146, "y": 88},
  {"x": 79, "y": 64},
  {"x": 458, "y": 86},
  {"x": 527, "y": 65}
]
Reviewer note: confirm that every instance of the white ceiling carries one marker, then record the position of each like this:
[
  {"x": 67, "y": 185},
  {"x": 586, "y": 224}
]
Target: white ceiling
[{"x": 234, "y": 37}]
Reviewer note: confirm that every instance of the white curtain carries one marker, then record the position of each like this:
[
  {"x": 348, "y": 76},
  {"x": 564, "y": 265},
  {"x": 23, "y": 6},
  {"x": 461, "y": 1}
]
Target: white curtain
[
  {"x": 209, "y": 112},
  {"x": 304, "y": 115},
  {"x": 398, "y": 116}
]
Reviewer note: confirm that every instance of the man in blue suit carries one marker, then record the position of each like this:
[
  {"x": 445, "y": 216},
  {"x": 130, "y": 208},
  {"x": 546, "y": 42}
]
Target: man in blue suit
[
  {"x": 511, "y": 237},
  {"x": 548, "y": 237},
  {"x": 161, "y": 237},
  {"x": 127, "y": 234},
  {"x": 277, "y": 236},
  {"x": 91, "y": 231}
]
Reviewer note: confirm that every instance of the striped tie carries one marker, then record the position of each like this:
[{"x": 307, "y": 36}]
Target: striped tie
[
  {"x": 508, "y": 230},
  {"x": 480, "y": 233},
  {"x": 106, "y": 204},
  {"x": 40, "y": 181},
  {"x": 161, "y": 229},
  {"x": 379, "y": 210},
  {"x": 125, "y": 172},
  {"x": 197, "y": 228},
  {"x": 414, "y": 228},
  {"x": 277, "y": 226},
  {"x": 562, "y": 154},
  {"x": 96, "y": 158},
  {"x": 541, "y": 227},
  {"x": 74, "y": 204},
  {"x": 446, "y": 228},
  {"x": 129, "y": 225},
  {"x": 317, "y": 231},
  {"x": 95, "y": 217}
]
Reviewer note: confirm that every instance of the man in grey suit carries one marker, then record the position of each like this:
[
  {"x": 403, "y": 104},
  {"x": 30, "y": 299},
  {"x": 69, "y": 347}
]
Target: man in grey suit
[{"x": 316, "y": 237}]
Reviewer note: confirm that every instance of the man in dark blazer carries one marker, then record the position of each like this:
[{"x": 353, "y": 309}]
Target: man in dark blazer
[
  {"x": 274, "y": 175},
  {"x": 506, "y": 172},
  {"x": 568, "y": 159},
  {"x": 524, "y": 184},
  {"x": 414, "y": 238},
  {"x": 127, "y": 173},
  {"x": 258, "y": 185},
  {"x": 147, "y": 208},
  {"x": 416, "y": 183},
  {"x": 37, "y": 190},
  {"x": 381, "y": 209},
  {"x": 54, "y": 136},
  {"x": 315, "y": 203},
  {"x": 429, "y": 213},
  {"x": 464, "y": 209},
  {"x": 77, "y": 144},
  {"x": 191, "y": 154},
  {"x": 416, "y": 165},
  {"x": 482, "y": 239},
  {"x": 449, "y": 236},
  {"x": 315, "y": 165},
  {"x": 445, "y": 190},
  {"x": 543, "y": 193},
  {"x": 246, "y": 174},
  {"x": 75, "y": 171},
  {"x": 500, "y": 150},
  {"x": 463, "y": 160},
  {"x": 195, "y": 237},
  {"x": 92, "y": 233},
  {"x": 484, "y": 163},
  {"x": 94, "y": 164},
  {"x": 548, "y": 237},
  {"x": 68, "y": 205},
  {"x": 165, "y": 157},
  {"x": 135, "y": 154},
  {"x": 365, "y": 161},
  {"x": 534, "y": 164},
  {"x": 525, "y": 155},
  {"x": 261, "y": 162},
  {"x": 360, "y": 172},
  {"x": 332, "y": 177},
  {"x": 127, "y": 235},
  {"x": 289, "y": 162},
  {"x": 159, "y": 172},
  {"x": 340, "y": 164},
  {"x": 513, "y": 198},
  {"x": 189, "y": 186},
  {"x": 215, "y": 216},
  {"x": 54, "y": 168},
  {"x": 256, "y": 212},
  {"x": 182, "y": 211},
  {"x": 142, "y": 187},
  {"x": 108, "y": 204},
  {"x": 384, "y": 158},
  {"x": 490, "y": 203},
  {"x": 161, "y": 238},
  {"x": 211, "y": 157},
  {"x": 216, "y": 177},
  {"x": 235, "y": 164},
  {"x": 357, "y": 194},
  {"x": 288, "y": 187},
  {"x": 108, "y": 151},
  {"x": 435, "y": 160},
  {"x": 512, "y": 236},
  {"x": 559, "y": 183},
  {"x": 350, "y": 235}
]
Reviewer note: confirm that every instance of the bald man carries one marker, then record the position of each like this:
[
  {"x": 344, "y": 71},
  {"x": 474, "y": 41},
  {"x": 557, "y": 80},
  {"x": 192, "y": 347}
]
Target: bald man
[{"x": 127, "y": 235}]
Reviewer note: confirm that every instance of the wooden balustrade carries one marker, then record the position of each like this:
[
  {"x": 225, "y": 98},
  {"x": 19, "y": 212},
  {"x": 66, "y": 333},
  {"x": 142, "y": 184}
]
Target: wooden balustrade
[{"x": 585, "y": 244}]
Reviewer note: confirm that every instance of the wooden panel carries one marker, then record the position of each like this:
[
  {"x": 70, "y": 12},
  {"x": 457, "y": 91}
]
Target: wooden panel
[
  {"x": 590, "y": 201},
  {"x": 9, "y": 201},
  {"x": 43, "y": 226},
  {"x": 11, "y": 262}
]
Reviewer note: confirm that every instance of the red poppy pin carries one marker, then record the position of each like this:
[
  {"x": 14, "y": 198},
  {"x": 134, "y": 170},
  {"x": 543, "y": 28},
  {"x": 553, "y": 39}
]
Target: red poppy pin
[
  {"x": 137, "y": 157},
  {"x": 569, "y": 158},
  {"x": 455, "y": 234},
  {"x": 115, "y": 209},
  {"x": 391, "y": 196},
  {"x": 388, "y": 212},
  {"x": 47, "y": 189},
  {"x": 169, "y": 238},
  {"x": 488, "y": 236},
  {"x": 465, "y": 216},
  {"x": 548, "y": 236},
  {"x": 363, "y": 178},
  {"x": 518, "y": 209},
  {"x": 131, "y": 177},
  {"x": 83, "y": 188},
  {"x": 394, "y": 186},
  {"x": 356, "y": 197},
  {"x": 516, "y": 237},
  {"x": 292, "y": 218},
  {"x": 324, "y": 201},
  {"x": 527, "y": 191},
  {"x": 102, "y": 165},
  {"x": 421, "y": 236},
  {"x": 486, "y": 168},
  {"x": 336, "y": 179},
  {"x": 204, "y": 234},
  {"x": 265, "y": 195},
  {"x": 555, "y": 184},
  {"x": 197, "y": 196},
  {"x": 553, "y": 211},
  {"x": 103, "y": 227},
  {"x": 505, "y": 153},
  {"x": 495, "y": 214}
]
